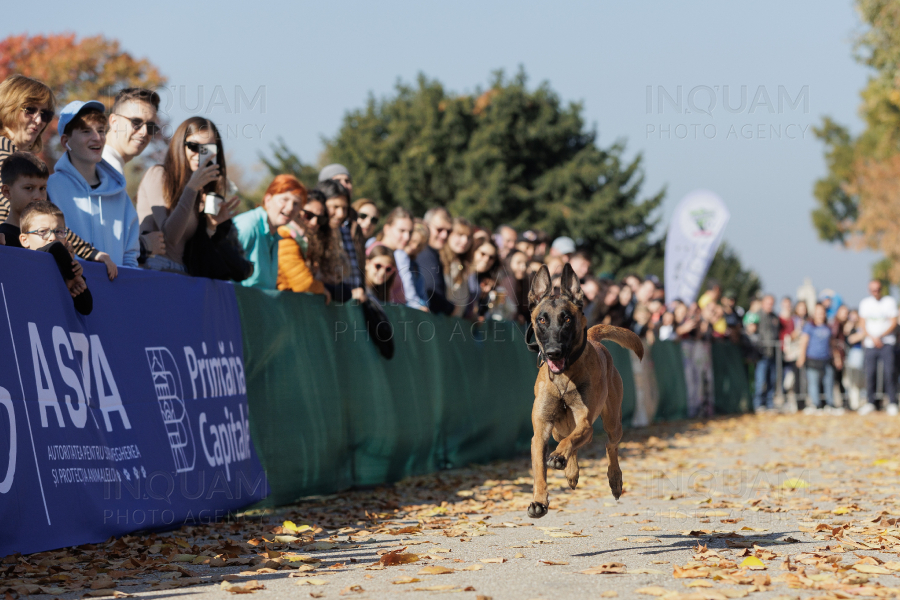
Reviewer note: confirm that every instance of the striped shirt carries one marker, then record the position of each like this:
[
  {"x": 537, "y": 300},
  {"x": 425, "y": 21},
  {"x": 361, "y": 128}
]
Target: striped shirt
[
  {"x": 354, "y": 279},
  {"x": 82, "y": 249}
]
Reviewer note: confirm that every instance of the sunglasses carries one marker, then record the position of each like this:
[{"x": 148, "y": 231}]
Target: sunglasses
[
  {"x": 137, "y": 124},
  {"x": 195, "y": 147},
  {"x": 368, "y": 217},
  {"x": 45, "y": 233},
  {"x": 31, "y": 111},
  {"x": 309, "y": 216},
  {"x": 387, "y": 268}
]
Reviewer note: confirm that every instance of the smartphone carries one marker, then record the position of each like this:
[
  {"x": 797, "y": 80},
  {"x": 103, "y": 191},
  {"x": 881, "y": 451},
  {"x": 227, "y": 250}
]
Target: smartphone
[{"x": 206, "y": 150}]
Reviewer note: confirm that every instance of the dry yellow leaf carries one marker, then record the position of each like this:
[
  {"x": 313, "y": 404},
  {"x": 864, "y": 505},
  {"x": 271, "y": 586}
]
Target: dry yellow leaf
[
  {"x": 406, "y": 579},
  {"x": 751, "y": 562},
  {"x": 493, "y": 560},
  {"x": 435, "y": 570},
  {"x": 312, "y": 581},
  {"x": 871, "y": 569},
  {"x": 247, "y": 587}
]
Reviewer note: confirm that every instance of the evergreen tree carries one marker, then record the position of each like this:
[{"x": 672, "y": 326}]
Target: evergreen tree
[{"x": 504, "y": 155}]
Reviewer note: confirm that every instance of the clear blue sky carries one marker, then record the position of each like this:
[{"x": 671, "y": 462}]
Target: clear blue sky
[{"x": 315, "y": 61}]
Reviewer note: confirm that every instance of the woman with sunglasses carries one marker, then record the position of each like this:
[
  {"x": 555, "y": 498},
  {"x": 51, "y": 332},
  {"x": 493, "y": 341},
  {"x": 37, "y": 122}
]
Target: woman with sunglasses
[
  {"x": 381, "y": 270},
  {"x": 321, "y": 246},
  {"x": 27, "y": 107},
  {"x": 367, "y": 216},
  {"x": 172, "y": 196},
  {"x": 294, "y": 273}
]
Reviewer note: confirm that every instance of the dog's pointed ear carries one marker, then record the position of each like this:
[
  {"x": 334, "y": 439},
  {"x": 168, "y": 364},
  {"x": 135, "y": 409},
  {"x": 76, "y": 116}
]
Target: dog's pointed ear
[
  {"x": 540, "y": 287},
  {"x": 569, "y": 286}
]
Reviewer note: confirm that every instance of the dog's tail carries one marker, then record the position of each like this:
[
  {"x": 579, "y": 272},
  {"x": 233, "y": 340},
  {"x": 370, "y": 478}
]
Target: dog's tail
[{"x": 623, "y": 337}]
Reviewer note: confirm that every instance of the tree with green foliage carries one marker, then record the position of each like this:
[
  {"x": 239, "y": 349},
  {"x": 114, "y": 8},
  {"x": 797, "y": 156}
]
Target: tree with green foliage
[
  {"x": 848, "y": 197},
  {"x": 283, "y": 160},
  {"x": 504, "y": 155}
]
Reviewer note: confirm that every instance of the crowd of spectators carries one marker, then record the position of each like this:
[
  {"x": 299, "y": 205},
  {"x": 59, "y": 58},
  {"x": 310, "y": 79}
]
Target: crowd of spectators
[{"x": 184, "y": 220}]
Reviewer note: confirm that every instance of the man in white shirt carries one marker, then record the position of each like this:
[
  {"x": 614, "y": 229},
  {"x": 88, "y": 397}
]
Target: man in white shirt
[
  {"x": 878, "y": 319},
  {"x": 132, "y": 125}
]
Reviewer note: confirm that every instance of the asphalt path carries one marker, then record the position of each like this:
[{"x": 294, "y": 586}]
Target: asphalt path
[{"x": 743, "y": 488}]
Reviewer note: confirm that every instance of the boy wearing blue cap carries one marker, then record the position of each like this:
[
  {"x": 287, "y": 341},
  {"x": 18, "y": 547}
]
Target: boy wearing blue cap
[{"x": 90, "y": 192}]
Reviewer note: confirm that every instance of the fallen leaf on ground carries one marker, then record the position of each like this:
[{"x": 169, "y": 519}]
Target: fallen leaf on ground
[
  {"x": 406, "y": 579},
  {"x": 493, "y": 560},
  {"x": 435, "y": 570},
  {"x": 397, "y": 557},
  {"x": 871, "y": 569},
  {"x": 751, "y": 562},
  {"x": 247, "y": 587},
  {"x": 353, "y": 589},
  {"x": 605, "y": 569}
]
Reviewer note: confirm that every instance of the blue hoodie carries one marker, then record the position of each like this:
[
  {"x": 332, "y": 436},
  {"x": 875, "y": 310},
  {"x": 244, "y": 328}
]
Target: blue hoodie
[{"x": 103, "y": 217}]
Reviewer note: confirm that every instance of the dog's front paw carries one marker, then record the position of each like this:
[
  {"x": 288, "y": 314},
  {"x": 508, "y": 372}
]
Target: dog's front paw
[
  {"x": 556, "y": 461},
  {"x": 536, "y": 510},
  {"x": 615, "y": 482}
]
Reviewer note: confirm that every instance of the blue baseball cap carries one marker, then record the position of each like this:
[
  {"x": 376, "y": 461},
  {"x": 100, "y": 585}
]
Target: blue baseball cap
[{"x": 72, "y": 109}]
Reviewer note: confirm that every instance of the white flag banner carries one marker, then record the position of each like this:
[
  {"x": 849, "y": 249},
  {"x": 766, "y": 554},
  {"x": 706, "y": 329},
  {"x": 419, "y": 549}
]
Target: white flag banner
[{"x": 695, "y": 233}]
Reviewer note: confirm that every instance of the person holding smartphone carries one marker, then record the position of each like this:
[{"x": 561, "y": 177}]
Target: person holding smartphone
[{"x": 186, "y": 192}]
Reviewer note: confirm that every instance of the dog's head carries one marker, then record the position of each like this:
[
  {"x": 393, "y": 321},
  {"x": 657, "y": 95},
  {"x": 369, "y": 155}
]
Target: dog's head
[{"x": 557, "y": 317}]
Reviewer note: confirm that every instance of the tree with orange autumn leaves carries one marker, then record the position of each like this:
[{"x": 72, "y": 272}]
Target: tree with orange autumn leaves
[{"x": 93, "y": 68}]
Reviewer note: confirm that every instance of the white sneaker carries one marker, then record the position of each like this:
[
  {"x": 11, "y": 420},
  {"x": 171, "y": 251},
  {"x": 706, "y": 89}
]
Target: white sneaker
[
  {"x": 892, "y": 410},
  {"x": 811, "y": 410},
  {"x": 866, "y": 408},
  {"x": 836, "y": 411}
]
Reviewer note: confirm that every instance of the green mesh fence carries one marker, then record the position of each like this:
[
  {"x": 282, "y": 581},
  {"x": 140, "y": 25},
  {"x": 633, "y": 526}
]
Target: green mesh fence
[
  {"x": 668, "y": 366},
  {"x": 732, "y": 390},
  {"x": 622, "y": 361},
  {"x": 327, "y": 412}
]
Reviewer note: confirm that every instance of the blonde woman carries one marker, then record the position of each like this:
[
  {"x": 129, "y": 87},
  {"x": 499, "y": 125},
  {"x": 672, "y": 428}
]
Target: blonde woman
[{"x": 27, "y": 107}]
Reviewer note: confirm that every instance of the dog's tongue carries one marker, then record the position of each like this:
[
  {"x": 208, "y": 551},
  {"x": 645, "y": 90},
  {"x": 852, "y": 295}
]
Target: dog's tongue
[{"x": 556, "y": 366}]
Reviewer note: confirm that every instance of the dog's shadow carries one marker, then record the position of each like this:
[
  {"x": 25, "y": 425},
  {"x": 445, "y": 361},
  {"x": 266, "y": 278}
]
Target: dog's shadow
[{"x": 688, "y": 542}]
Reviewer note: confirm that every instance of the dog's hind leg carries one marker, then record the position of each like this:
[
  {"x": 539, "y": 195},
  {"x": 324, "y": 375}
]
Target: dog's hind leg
[
  {"x": 572, "y": 471},
  {"x": 611, "y": 414},
  {"x": 540, "y": 501}
]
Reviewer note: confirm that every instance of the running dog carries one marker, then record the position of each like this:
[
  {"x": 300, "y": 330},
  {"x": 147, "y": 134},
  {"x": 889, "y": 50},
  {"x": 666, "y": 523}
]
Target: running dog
[{"x": 579, "y": 384}]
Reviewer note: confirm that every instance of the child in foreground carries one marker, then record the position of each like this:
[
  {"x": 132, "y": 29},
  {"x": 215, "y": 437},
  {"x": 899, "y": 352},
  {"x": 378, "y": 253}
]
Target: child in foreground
[
  {"x": 43, "y": 227},
  {"x": 24, "y": 178}
]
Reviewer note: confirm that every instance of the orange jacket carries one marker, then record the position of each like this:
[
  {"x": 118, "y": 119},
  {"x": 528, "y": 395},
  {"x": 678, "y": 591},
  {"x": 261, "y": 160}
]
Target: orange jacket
[{"x": 293, "y": 273}]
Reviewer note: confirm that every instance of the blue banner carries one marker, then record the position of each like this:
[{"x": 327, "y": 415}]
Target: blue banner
[{"x": 133, "y": 417}]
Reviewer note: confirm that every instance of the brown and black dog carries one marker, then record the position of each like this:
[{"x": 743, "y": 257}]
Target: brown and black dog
[{"x": 579, "y": 384}]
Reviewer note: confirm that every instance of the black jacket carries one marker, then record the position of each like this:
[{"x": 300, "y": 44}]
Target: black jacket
[{"x": 432, "y": 272}]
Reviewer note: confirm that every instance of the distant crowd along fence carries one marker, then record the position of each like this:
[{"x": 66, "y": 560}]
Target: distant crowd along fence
[{"x": 184, "y": 399}]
